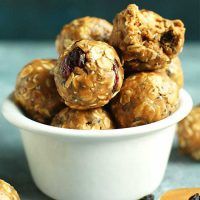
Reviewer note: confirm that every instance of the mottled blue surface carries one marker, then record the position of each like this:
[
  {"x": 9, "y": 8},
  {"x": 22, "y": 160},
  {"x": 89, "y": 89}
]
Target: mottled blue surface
[{"x": 181, "y": 171}]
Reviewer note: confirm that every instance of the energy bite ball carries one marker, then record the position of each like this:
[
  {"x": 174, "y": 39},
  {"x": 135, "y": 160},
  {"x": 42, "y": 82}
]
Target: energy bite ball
[
  {"x": 174, "y": 71},
  {"x": 36, "y": 91},
  {"x": 88, "y": 74},
  {"x": 182, "y": 194},
  {"x": 7, "y": 192},
  {"x": 90, "y": 28},
  {"x": 189, "y": 134},
  {"x": 144, "y": 98},
  {"x": 146, "y": 40},
  {"x": 83, "y": 119}
]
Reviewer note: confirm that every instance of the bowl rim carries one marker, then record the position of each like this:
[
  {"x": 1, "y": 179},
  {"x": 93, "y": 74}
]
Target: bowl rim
[{"x": 15, "y": 116}]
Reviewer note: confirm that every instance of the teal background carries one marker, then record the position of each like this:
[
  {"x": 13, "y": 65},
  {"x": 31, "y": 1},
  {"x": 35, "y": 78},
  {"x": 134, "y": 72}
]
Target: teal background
[{"x": 42, "y": 19}]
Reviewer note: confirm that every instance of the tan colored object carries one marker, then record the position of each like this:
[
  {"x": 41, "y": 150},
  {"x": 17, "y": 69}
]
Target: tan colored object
[
  {"x": 88, "y": 74},
  {"x": 89, "y": 28},
  {"x": 189, "y": 134},
  {"x": 146, "y": 40},
  {"x": 36, "y": 92},
  {"x": 83, "y": 119},
  {"x": 144, "y": 98},
  {"x": 7, "y": 192},
  {"x": 180, "y": 194},
  {"x": 174, "y": 71}
]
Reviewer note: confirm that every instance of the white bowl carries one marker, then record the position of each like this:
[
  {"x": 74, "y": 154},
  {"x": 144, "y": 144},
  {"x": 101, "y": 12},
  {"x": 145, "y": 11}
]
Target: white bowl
[{"x": 118, "y": 164}]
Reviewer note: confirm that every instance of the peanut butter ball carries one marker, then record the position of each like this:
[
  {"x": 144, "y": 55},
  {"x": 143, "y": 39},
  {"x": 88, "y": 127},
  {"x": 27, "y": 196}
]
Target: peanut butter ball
[
  {"x": 182, "y": 194},
  {"x": 146, "y": 40},
  {"x": 144, "y": 98},
  {"x": 7, "y": 192},
  {"x": 174, "y": 71},
  {"x": 89, "y": 28},
  {"x": 88, "y": 74},
  {"x": 83, "y": 119},
  {"x": 36, "y": 91},
  {"x": 189, "y": 134}
]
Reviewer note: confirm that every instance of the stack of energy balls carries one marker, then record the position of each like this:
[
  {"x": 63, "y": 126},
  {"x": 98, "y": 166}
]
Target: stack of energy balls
[{"x": 107, "y": 76}]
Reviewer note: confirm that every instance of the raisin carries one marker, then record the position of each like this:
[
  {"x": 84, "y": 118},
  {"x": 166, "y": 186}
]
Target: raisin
[
  {"x": 76, "y": 58},
  {"x": 148, "y": 197},
  {"x": 195, "y": 197}
]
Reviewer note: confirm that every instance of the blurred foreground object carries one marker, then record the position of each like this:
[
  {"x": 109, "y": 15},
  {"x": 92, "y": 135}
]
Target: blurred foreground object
[
  {"x": 189, "y": 134},
  {"x": 7, "y": 192},
  {"x": 182, "y": 194}
]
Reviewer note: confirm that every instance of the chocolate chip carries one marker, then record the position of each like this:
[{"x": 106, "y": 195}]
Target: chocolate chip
[
  {"x": 167, "y": 37},
  {"x": 195, "y": 197},
  {"x": 148, "y": 197},
  {"x": 115, "y": 69},
  {"x": 120, "y": 54},
  {"x": 76, "y": 58},
  {"x": 169, "y": 73},
  {"x": 88, "y": 123},
  {"x": 145, "y": 38}
]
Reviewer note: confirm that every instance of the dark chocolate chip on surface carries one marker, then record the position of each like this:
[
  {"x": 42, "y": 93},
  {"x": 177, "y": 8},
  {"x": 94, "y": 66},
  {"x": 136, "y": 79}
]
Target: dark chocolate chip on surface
[
  {"x": 195, "y": 197},
  {"x": 148, "y": 197},
  {"x": 167, "y": 37}
]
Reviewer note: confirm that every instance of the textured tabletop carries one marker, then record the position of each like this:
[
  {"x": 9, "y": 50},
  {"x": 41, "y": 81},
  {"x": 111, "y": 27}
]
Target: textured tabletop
[{"x": 181, "y": 171}]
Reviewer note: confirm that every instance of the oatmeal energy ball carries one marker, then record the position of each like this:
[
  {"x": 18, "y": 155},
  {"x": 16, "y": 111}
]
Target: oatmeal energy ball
[
  {"x": 89, "y": 28},
  {"x": 7, "y": 192},
  {"x": 83, "y": 119},
  {"x": 182, "y": 193},
  {"x": 146, "y": 40},
  {"x": 189, "y": 134},
  {"x": 88, "y": 74},
  {"x": 174, "y": 71},
  {"x": 36, "y": 91},
  {"x": 144, "y": 98}
]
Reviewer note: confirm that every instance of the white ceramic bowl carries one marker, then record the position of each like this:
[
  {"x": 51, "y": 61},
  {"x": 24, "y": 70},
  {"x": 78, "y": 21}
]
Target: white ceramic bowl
[{"x": 118, "y": 164}]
